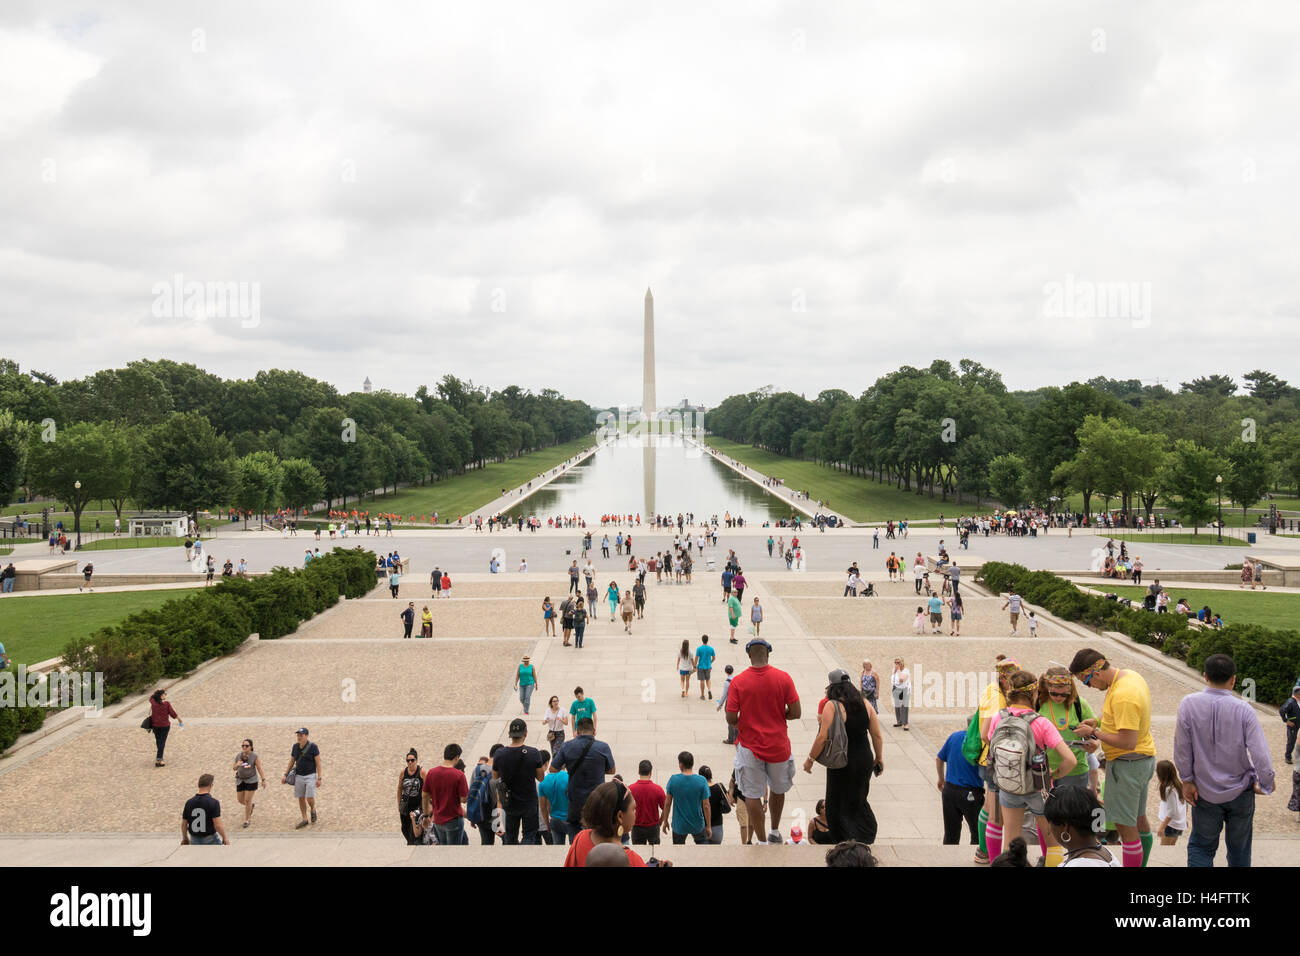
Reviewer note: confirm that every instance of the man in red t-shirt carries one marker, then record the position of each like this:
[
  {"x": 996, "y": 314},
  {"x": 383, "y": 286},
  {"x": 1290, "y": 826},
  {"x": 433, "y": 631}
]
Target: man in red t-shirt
[
  {"x": 650, "y": 799},
  {"x": 760, "y": 701},
  {"x": 445, "y": 792}
]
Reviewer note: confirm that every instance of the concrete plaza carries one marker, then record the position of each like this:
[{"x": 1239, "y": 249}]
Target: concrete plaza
[{"x": 367, "y": 695}]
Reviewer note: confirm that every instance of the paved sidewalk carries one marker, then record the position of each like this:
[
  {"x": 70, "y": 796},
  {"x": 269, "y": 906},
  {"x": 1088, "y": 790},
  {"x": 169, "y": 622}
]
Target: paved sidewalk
[{"x": 368, "y": 694}]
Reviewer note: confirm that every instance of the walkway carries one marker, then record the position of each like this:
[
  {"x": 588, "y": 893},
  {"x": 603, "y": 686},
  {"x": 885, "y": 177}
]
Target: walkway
[{"x": 367, "y": 695}]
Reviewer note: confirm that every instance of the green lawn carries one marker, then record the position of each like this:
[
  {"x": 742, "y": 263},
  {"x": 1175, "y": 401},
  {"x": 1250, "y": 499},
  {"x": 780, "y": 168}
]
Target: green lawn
[
  {"x": 1237, "y": 607},
  {"x": 861, "y": 499},
  {"x": 465, "y": 493},
  {"x": 113, "y": 544},
  {"x": 37, "y": 628}
]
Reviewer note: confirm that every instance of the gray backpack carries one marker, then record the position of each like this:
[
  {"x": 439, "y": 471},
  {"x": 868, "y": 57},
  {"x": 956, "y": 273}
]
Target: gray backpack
[
  {"x": 1018, "y": 764},
  {"x": 835, "y": 752}
]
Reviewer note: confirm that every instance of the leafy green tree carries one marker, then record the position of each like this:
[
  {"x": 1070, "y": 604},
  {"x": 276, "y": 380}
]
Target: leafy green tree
[
  {"x": 185, "y": 464},
  {"x": 301, "y": 485},
  {"x": 86, "y": 461},
  {"x": 1249, "y": 475},
  {"x": 133, "y": 395},
  {"x": 1267, "y": 386},
  {"x": 1189, "y": 483},
  {"x": 258, "y": 478},
  {"x": 1051, "y": 432},
  {"x": 1220, "y": 385},
  {"x": 13, "y": 455},
  {"x": 1007, "y": 479}
]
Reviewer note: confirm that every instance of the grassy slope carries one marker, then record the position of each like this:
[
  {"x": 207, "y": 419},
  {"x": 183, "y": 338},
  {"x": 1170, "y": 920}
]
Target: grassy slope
[
  {"x": 863, "y": 499},
  {"x": 860, "y": 499},
  {"x": 464, "y": 493},
  {"x": 1237, "y": 607},
  {"x": 37, "y": 628}
]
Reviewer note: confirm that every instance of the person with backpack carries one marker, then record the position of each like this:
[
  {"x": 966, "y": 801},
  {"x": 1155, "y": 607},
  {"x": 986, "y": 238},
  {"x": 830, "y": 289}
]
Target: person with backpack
[
  {"x": 518, "y": 769},
  {"x": 481, "y": 799},
  {"x": 1019, "y": 740},
  {"x": 566, "y": 618},
  {"x": 975, "y": 749},
  {"x": 849, "y": 743}
]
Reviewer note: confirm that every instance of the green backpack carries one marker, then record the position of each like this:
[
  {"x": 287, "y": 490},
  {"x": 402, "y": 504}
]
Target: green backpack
[{"x": 972, "y": 748}]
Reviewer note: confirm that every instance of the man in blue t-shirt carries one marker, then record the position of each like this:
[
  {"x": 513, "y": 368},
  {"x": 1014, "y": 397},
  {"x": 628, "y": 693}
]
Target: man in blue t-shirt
[
  {"x": 687, "y": 807},
  {"x": 553, "y": 796},
  {"x": 962, "y": 789},
  {"x": 704, "y": 665},
  {"x": 936, "y": 614}
]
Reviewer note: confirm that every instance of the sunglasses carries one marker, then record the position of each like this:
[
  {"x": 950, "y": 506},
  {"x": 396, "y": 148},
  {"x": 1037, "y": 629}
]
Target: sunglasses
[{"x": 410, "y": 760}]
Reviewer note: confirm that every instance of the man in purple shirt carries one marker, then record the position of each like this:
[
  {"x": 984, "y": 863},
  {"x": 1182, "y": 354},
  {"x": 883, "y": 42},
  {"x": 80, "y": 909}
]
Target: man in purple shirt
[{"x": 1223, "y": 759}]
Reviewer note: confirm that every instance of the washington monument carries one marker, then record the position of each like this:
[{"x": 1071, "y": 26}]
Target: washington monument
[{"x": 648, "y": 406}]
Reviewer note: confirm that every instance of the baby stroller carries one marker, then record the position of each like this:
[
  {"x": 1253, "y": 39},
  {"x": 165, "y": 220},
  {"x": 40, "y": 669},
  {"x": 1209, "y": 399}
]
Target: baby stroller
[
  {"x": 1149, "y": 602},
  {"x": 868, "y": 591}
]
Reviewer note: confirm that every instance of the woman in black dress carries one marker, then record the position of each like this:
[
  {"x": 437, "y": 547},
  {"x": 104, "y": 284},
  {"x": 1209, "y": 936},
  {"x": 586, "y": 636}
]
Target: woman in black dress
[{"x": 848, "y": 814}]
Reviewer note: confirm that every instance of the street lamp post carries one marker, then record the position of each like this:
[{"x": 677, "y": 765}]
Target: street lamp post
[
  {"x": 1218, "y": 482},
  {"x": 76, "y": 517}
]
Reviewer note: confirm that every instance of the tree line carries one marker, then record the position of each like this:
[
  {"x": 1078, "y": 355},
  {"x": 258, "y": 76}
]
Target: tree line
[
  {"x": 957, "y": 431},
  {"x": 164, "y": 434}
]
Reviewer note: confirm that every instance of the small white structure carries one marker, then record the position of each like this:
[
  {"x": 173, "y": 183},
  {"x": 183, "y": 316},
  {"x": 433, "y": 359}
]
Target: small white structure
[{"x": 164, "y": 524}]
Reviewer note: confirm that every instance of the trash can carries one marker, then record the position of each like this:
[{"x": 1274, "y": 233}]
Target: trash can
[{"x": 1250, "y": 537}]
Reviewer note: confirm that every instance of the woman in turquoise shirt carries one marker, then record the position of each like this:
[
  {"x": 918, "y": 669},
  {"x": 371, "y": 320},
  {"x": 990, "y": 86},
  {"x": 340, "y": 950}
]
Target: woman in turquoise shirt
[
  {"x": 611, "y": 596},
  {"x": 525, "y": 681}
]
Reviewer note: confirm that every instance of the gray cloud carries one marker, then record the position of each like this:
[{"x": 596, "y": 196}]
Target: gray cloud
[{"x": 817, "y": 195}]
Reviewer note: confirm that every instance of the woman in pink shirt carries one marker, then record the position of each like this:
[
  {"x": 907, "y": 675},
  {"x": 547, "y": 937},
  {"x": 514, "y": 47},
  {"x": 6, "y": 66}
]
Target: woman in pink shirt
[{"x": 1022, "y": 692}]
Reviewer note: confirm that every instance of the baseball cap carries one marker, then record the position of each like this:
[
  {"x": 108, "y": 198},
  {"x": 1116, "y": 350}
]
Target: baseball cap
[
  {"x": 837, "y": 675},
  {"x": 518, "y": 728},
  {"x": 756, "y": 641},
  {"x": 301, "y": 730}
]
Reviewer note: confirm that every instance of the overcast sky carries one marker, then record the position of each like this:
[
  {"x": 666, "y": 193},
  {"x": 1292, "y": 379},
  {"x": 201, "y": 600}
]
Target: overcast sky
[{"x": 817, "y": 193}]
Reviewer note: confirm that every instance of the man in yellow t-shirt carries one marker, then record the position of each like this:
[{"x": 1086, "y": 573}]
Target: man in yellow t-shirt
[
  {"x": 993, "y": 700},
  {"x": 1125, "y": 737}
]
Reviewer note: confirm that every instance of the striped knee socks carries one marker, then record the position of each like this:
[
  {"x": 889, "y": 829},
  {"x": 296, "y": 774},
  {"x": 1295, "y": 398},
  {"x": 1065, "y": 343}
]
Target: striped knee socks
[{"x": 993, "y": 836}]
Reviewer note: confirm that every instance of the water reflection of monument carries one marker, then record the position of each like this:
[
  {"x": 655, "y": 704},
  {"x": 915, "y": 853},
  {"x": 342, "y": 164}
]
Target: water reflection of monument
[{"x": 648, "y": 407}]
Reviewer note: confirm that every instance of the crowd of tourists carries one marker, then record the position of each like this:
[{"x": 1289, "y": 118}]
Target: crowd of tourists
[{"x": 1035, "y": 758}]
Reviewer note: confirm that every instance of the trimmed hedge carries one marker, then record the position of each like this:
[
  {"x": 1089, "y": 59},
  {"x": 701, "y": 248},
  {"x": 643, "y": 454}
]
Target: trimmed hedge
[
  {"x": 174, "y": 639},
  {"x": 18, "y": 720},
  {"x": 1270, "y": 657}
]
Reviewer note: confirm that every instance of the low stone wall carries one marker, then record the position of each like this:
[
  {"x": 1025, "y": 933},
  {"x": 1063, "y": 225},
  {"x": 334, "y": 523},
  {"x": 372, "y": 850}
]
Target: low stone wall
[
  {"x": 49, "y": 582},
  {"x": 1270, "y": 577}
]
